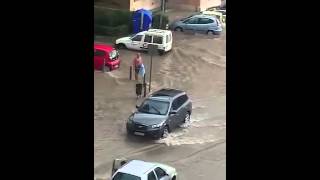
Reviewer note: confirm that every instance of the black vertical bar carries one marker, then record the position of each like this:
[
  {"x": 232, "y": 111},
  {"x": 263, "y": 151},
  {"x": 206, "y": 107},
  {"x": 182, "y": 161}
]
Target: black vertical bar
[
  {"x": 144, "y": 86},
  {"x": 150, "y": 73},
  {"x": 130, "y": 73},
  {"x": 104, "y": 65}
]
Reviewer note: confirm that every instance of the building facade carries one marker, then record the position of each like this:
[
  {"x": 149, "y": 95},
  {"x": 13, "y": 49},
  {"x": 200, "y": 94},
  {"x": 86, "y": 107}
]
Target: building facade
[
  {"x": 194, "y": 5},
  {"x": 131, "y": 5}
]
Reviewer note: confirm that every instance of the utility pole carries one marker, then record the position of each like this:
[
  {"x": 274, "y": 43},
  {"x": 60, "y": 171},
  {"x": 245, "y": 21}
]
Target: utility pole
[
  {"x": 163, "y": 4},
  {"x": 152, "y": 49}
]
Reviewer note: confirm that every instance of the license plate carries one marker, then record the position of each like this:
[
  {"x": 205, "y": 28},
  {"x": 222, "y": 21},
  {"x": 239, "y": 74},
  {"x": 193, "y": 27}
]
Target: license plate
[
  {"x": 116, "y": 66},
  {"x": 139, "y": 133}
]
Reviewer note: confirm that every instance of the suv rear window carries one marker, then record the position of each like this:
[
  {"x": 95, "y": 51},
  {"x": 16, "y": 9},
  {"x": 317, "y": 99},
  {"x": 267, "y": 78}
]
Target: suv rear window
[
  {"x": 177, "y": 103},
  {"x": 157, "y": 39},
  {"x": 125, "y": 176},
  {"x": 205, "y": 21}
]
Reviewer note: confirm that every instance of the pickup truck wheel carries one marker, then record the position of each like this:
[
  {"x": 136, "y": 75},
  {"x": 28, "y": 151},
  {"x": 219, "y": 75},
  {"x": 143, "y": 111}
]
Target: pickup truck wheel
[
  {"x": 121, "y": 46},
  {"x": 165, "y": 132},
  {"x": 161, "y": 52},
  {"x": 187, "y": 118}
]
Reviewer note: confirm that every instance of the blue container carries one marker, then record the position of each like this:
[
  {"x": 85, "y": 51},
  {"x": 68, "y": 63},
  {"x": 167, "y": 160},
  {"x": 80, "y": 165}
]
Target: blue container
[{"x": 142, "y": 20}]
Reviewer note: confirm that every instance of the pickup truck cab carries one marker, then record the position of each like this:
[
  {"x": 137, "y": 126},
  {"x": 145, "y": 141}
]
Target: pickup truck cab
[{"x": 141, "y": 40}]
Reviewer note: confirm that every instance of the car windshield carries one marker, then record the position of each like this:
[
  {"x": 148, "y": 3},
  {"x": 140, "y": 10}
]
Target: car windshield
[
  {"x": 125, "y": 176},
  {"x": 154, "y": 107},
  {"x": 131, "y": 36}
]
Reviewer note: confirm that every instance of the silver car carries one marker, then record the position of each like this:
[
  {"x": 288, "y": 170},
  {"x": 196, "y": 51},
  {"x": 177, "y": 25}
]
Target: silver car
[
  {"x": 160, "y": 113},
  {"x": 198, "y": 23}
]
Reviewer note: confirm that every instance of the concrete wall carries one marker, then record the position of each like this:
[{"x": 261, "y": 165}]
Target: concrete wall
[
  {"x": 116, "y": 4},
  {"x": 146, "y": 4},
  {"x": 183, "y": 4},
  {"x": 194, "y": 5},
  {"x": 204, "y": 4}
]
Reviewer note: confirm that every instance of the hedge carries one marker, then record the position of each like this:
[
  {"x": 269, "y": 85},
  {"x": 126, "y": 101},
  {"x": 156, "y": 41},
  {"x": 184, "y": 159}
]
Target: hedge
[
  {"x": 110, "y": 30},
  {"x": 112, "y": 20},
  {"x": 156, "y": 21}
]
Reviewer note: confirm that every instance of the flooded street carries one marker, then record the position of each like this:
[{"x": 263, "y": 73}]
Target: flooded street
[{"x": 196, "y": 64}]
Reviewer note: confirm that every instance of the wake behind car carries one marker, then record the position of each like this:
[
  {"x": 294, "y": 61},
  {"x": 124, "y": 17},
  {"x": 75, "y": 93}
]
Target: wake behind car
[
  {"x": 141, "y": 40},
  {"x": 141, "y": 170},
  {"x": 104, "y": 53},
  {"x": 160, "y": 113}
]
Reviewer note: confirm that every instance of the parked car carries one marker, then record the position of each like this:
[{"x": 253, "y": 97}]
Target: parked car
[
  {"x": 219, "y": 14},
  {"x": 141, "y": 40},
  {"x": 160, "y": 113},
  {"x": 199, "y": 23},
  {"x": 105, "y": 53},
  {"x": 224, "y": 12},
  {"x": 141, "y": 170}
]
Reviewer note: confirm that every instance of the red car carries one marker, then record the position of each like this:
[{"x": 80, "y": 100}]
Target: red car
[{"x": 104, "y": 52}]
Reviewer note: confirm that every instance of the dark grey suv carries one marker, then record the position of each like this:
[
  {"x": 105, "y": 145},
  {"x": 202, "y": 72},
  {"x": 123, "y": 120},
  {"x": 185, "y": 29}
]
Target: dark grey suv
[{"x": 160, "y": 113}]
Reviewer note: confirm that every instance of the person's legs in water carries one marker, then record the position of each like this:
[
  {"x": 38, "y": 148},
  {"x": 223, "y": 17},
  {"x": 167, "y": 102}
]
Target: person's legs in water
[{"x": 136, "y": 72}]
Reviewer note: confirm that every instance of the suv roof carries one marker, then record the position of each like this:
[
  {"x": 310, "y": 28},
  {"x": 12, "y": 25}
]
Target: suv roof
[
  {"x": 204, "y": 16},
  {"x": 137, "y": 167},
  {"x": 167, "y": 92}
]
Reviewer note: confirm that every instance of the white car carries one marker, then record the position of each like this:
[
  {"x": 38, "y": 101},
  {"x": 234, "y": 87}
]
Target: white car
[
  {"x": 141, "y": 40},
  {"x": 141, "y": 170}
]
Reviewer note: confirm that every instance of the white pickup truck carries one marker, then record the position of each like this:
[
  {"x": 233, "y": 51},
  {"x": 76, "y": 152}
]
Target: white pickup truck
[{"x": 140, "y": 170}]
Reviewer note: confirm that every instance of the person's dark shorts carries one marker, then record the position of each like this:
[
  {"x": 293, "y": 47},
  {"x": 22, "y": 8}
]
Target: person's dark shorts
[{"x": 137, "y": 70}]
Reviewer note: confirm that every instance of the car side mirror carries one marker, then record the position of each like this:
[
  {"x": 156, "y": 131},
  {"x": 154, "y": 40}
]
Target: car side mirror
[
  {"x": 137, "y": 106},
  {"x": 173, "y": 112}
]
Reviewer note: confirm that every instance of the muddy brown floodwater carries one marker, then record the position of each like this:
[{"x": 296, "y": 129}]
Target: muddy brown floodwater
[{"x": 196, "y": 64}]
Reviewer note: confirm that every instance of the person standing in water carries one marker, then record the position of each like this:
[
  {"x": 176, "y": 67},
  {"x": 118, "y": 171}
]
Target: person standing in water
[
  {"x": 140, "y": 77},
  {"x": 137, "y": 61}
]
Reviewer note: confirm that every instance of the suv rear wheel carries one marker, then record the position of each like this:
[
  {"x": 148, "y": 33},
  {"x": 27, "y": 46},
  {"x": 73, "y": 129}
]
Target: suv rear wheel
[
  {"x": 210, "y": 32},
  {"x": 178, "y": 29}
]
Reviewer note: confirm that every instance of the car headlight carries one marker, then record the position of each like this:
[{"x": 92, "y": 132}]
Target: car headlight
[
  {"x": 156, "y": 125},
  {"x": 130, "y": 120}
]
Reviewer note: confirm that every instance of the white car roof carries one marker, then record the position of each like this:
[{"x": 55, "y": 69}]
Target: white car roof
[
  {"x": 137, "y": 167},
  {"x": 204, "y": 16},
  {"x": 159, "y": 32}
]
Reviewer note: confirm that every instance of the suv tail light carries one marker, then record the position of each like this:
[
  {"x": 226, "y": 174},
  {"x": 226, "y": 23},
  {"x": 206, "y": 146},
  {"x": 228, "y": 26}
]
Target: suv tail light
[{"x": 218, "y": 22}]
